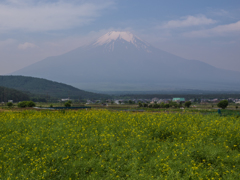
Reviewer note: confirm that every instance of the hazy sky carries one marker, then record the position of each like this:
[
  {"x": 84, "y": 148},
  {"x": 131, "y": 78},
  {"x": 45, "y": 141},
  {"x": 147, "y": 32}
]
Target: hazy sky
[{"x": 206, "y": 30}]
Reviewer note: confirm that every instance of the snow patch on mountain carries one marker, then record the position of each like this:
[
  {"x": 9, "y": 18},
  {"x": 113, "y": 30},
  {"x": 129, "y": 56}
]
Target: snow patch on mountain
[
  {"x": 109, "y": 39},
  {"x": 114, "y": 35}
]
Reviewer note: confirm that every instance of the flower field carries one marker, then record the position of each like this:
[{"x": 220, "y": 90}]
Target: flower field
[{"x": 101, "y": 144}]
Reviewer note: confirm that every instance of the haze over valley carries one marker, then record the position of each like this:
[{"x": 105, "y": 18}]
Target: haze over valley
[{"x": 121, "y": 61}]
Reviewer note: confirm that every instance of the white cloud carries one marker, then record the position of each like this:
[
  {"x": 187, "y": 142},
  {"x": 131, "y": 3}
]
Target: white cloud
[
  {"x": 46, "y": 15},
  {"x": 220, "y": 30},
  {"x": 26, "y": 45},
  {"x": 189, "y": 21}
]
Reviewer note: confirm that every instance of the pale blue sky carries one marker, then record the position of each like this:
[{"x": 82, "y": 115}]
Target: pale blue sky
[{"x": 31, "y": 30}]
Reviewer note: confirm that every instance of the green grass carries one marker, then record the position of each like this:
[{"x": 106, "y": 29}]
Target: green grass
[{"x": 101, "y": 144}]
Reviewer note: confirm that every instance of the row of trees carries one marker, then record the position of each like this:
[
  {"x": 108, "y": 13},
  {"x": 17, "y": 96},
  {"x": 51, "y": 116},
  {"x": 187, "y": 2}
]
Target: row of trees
[
  {"x": 24, "y": 104},
  {"x": 166, "y": 105},
  {"x": 222, "y": 104}
]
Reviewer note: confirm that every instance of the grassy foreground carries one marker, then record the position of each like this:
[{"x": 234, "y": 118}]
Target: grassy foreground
[{"x": 100, "y": 144}]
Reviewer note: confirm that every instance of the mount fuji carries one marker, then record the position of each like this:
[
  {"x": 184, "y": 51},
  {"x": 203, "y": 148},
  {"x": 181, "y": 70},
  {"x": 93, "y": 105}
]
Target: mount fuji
[{"x": 122, "y": 61}]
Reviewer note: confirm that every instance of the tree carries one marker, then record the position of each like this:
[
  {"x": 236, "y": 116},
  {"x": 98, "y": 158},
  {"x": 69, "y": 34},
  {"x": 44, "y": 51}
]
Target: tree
[
  {"x": 223, "y": 104},
  {"x": 162, "y": 105},
  {"x": 166, "y": 105},
  {"x": 22, "y": 104},
  {"x": 30, "y": 104},
  {"x": 156, "y": 106},
  {"x": 236, "y": 107},
  {"x": 130, "y": 102},
  {"x": 188, "y": 104},
  {"x": 173, "y": 104},
  {"x": 68, "y": 104},
  {"x": 10, "y": 104},
  {"x": 140, "y": 104}
]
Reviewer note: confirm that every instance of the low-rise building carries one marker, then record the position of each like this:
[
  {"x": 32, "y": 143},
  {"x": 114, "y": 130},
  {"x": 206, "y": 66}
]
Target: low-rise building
[{"x": 178, "y": 99}]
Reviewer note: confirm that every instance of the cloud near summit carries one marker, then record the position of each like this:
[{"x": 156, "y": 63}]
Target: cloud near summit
[
  {"x": 189, "y": 21},
  {"x": 49, "y": 15},
  {"x": 221, "y": 30}
]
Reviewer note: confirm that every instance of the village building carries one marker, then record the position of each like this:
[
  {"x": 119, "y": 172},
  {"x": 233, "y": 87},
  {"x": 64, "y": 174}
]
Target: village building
[{"x": 178, "y": 100}]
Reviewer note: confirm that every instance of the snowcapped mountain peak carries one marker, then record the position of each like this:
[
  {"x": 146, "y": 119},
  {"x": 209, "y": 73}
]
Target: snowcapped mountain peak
[{"x": 114, "y": 35}]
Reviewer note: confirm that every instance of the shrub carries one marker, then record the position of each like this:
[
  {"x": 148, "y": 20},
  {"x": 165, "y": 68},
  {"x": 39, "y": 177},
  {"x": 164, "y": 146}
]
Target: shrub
[
  {"x": 150, "y": 105},
  {"x": 50, "y": 105},
  {"x": 140, "y": 104},
  {"x": 161, "y": 105},
  {"x": 131, "y": 102},
  {"x": 223, "y": 104},
  {"x": 10, "y": 104},
  {"x": 236, "y": 107},
  {"x": 173, "y": 104},
  {"x": 67, "y": 104},
  {"x": 166, "y": 105},
  {"x": 31, "y": 104},
  {"x": 156, "y": 106},
  {"x": 22, "y": 104},
  {"x": 188, "y": 104},
  {"x": 145, "y": 105}
]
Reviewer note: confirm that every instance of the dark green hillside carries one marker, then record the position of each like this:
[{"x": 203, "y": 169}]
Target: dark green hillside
[
  {"x": 12, "y": 94},
  {"x": 46, "y": 87}
]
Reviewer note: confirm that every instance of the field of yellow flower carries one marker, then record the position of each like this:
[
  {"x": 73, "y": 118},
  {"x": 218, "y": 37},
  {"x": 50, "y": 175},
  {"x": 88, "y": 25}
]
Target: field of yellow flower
[{"x": 101, "y": 144}]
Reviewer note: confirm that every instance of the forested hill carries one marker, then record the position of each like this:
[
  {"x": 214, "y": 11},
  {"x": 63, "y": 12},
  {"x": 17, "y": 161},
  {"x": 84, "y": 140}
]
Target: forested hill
[
  {"x": 47, "y": 87},
  {"x": 12, "y": 94}
]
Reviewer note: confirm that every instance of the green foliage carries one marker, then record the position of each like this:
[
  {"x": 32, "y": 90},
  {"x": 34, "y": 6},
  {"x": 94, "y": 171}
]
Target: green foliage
[
  {"x": 31, "y": 104},
  {"x": 46, "y": 87},
  {"x": 130, "y": 102},
  {"x": 68, "y": 104},
  {"x": 12, "y": 94},
  {"x": 223, "y": 104},
  {"x": 50, "y": 105},
  {"x": 166, "y": 105},
  {"x": 22, "y": 104},
  {"x": 140, "y": 104},
  {"x": 10, "y": 104},
  {"x": 188, "y": 104},
  {"x": 156, "y": 105},
  {"x": 173, "y": 104},
  {"x": 236, "y": 107},
  {"x": 162, "y": 105},
  {"x": 145, "y": 105}
]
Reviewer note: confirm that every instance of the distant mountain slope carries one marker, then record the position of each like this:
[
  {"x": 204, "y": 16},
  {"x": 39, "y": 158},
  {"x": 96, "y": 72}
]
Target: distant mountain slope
[
  {"x": 46, "y": 87},
  {"x": 12, "y": 94},
  {"x": 122, "y": 61}
]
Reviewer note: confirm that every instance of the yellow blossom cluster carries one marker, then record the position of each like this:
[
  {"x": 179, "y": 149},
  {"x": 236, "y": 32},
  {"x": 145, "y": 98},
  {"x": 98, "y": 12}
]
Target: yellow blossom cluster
[{"x": 101, "y": 144}]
